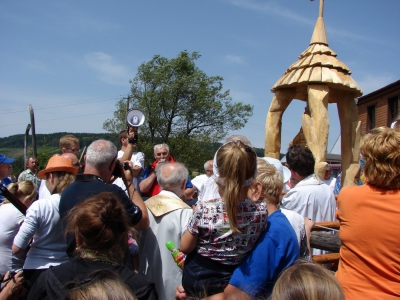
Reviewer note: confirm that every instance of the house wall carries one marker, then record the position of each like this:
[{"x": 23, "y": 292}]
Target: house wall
[{"x": 380, "y": 100}]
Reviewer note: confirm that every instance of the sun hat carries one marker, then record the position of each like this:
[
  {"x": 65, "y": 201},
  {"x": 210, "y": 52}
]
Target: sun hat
[
  {"x": 278, "y": 165},
  {"x": 58, "y": 164},
  {"x": 6, "y": 160}
]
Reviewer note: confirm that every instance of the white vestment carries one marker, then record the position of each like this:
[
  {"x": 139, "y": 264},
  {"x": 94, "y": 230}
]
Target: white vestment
[
  {"x": 313, "y": 199},
  {"x": 168, "y": 216}
]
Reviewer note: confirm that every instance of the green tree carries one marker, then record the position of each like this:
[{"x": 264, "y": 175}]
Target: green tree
[{"x": 183, "y": 106}]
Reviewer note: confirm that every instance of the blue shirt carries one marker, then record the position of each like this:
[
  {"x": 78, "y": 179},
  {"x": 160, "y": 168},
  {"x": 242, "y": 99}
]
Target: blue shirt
[{"x": 276, "y": 249}]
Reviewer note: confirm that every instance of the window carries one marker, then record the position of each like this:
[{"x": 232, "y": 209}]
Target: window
[
  {"x": 393, "y": 108},
  {"x": 371, "y": 111}
]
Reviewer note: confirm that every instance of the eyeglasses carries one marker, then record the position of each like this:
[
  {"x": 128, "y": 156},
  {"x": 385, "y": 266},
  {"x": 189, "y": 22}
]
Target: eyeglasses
[{"x": 161, "y": 153}]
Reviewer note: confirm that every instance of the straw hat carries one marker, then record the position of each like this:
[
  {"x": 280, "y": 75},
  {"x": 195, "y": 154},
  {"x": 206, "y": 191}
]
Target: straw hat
[{"x": 58, "y": 164}]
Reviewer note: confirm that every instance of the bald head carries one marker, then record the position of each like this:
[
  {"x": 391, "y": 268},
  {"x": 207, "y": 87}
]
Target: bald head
[
  {"x": 73, "y": 158},
  {"x": 172, "y": 177}
]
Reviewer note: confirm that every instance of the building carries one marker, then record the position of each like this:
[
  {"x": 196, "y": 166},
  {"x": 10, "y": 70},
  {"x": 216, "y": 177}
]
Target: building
[{"x": 379, "y": 108}]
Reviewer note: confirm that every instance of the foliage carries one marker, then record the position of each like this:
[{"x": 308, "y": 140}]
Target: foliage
[{"x": 183, "y": 107}]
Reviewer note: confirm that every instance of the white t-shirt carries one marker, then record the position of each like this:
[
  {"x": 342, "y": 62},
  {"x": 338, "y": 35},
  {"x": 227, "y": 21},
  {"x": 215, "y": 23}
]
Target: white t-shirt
[{"x": 137, "y": 159}]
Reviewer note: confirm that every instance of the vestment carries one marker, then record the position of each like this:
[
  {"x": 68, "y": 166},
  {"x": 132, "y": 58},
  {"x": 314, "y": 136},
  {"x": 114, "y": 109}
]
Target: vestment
[
  {"x": 370, "y": 252},
  {"x": 137, "y": 159},
  {"x": 42, "y": 222},
  {"x": 29, "y": 175},
  {"x": 85, "y": 186},
  {"x": 155, "y": 188},
  {"x": 50, "y": 283},
  {"x": 313, "y": 199},
  {"x": 11, "y": 219},
  {"x": 275, "y": 250},
  {"x": 168, "y": 218}
]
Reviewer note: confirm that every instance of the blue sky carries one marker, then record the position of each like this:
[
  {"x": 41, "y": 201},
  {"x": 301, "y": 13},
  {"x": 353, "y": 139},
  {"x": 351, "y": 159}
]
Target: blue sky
[{"x": 72, "y": 60}]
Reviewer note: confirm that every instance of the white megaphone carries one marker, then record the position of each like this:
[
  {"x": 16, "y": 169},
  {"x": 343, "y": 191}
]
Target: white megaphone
[{"x": 135, "y": 118}]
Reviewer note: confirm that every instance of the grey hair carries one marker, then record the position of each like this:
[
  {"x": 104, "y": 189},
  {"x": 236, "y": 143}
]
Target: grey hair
[
  {"x": 158, "y": 146},
  {"x": 101, "y": 153},
  {"x": 176, "y": 179},
  {"x": 241, "y": 138},
  {"x": 207, "y": 164}
]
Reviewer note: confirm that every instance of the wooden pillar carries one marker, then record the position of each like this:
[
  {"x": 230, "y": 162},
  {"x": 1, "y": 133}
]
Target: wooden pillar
[
  {"x": 273, "y": 123},
  {"x": 350, "y": 138},
  {"x": 316, "y": 125}
]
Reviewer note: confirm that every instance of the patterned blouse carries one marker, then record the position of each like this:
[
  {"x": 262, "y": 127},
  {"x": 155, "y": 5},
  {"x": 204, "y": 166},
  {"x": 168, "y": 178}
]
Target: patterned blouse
[{"x": 216, "y": 239}]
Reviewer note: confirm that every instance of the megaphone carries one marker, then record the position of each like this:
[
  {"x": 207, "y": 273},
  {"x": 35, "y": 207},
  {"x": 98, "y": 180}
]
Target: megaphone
[{"x": 135, "y": 118}]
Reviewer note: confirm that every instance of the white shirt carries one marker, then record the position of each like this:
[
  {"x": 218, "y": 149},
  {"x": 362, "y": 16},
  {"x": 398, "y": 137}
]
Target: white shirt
[
  {"x": 330, "y": 182},
  {"x": 209, "y": 190},
  {"x": 43, "y": 190},
  {"x": 198, "y": 183},
  {"x": 42, "y": 222},
  {"x": 156, "y": 262},
  {"x": 10, "y": 221},
  {"x": 137, "y": 159}
]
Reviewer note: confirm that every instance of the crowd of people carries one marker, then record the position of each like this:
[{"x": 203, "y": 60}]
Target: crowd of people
[{"x": 96, "y": 231}]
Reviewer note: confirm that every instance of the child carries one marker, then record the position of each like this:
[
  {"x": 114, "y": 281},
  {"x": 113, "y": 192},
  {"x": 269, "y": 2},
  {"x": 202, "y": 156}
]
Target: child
[{"x": 221, "y": 232}]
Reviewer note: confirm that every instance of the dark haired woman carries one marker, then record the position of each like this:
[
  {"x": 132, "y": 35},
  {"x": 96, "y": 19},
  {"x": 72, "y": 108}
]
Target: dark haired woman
[{"x": 101, "y": 228}]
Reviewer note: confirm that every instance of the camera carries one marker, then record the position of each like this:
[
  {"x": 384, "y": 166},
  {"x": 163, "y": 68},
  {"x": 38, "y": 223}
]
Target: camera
[
  {"x": 26, "y": 284},
  {"x": 118, "y": 166}
]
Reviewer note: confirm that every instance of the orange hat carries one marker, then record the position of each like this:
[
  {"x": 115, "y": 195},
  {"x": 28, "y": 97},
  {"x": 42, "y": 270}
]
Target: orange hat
[{"x": 58, "y": 164}]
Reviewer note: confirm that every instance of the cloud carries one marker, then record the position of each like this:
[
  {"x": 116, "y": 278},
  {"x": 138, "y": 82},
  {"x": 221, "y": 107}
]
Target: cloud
[
  {"x": 271, "y": 8},
  {"x": 234, "y": 59},
  {"x": 108, "y": 69}
]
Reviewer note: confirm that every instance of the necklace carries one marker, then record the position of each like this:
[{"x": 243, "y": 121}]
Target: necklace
[{"x": 95, "y": 256}]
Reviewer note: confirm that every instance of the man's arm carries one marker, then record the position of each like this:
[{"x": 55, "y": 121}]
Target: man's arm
[
  {"x": 127, "y": 153},
  {"x": 146, "y": 184},
  {"x": 231, "y": 292},
  {"x": 137, "y": 200}
]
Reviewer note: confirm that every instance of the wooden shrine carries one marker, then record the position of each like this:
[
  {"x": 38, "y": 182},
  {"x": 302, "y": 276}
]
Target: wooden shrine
[{"x": 318, "y": 78}]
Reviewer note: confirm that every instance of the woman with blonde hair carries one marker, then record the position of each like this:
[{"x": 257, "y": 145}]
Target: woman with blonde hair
[
  {"x": 369, "y": 222},
  {"x": 10, "y": 221},
  {"x": 42, "y": 222},
  {"x": 307, "y": 281},
  {"x": 100, "y": 285},
  {"x": 101, "y": 228}
]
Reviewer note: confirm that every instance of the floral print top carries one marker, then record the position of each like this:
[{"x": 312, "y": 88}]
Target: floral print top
[{"x": 215, "y": 237}]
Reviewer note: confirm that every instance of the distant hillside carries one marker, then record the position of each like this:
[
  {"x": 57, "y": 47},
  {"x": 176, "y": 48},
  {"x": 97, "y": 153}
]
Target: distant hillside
[{"x": 48, "y": 144}]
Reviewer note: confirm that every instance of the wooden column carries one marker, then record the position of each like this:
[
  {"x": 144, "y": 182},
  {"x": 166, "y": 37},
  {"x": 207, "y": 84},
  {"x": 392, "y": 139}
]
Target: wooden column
[
  {"x": 350, "y": 138},
  {"x": 273, "y": 123},
  {"x": 316, "y": 125}
]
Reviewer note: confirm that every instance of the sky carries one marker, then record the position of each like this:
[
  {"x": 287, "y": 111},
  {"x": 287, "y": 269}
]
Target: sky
[{"x": 72, "y": 60}]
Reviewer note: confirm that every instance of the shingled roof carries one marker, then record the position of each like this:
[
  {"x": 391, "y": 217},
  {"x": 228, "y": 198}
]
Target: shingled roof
[{"x": 318, "y": 64}]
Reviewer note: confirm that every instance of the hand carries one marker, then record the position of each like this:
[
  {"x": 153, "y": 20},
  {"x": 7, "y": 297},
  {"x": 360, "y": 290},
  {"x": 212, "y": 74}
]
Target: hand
[
  {"x": 180, "y": 293},
  {"x": 128, "y": 173},
  {"x": 13, "y": 288}
]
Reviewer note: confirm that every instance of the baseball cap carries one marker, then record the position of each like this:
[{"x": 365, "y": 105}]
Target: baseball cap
[{"x": 6, "y": 160}]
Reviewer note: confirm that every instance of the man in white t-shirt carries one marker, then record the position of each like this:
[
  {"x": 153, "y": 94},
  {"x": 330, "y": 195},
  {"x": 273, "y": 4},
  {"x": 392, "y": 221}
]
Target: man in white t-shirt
[
  {"x": 199, "y": 180},
  {"x": 329, "y": 179},
  {"x": 128, "y": 145}
]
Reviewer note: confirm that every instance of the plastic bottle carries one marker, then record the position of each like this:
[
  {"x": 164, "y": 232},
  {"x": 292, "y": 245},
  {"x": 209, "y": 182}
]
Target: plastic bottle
[{"x": 177, "y": 255}]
